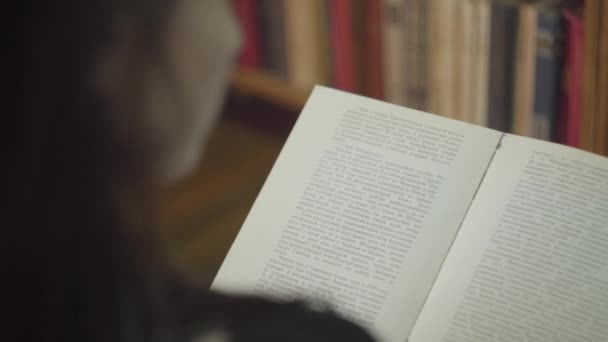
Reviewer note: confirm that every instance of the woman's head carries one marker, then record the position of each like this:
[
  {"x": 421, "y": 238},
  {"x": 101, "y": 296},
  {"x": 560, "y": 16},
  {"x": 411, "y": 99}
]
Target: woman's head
[
  {"x": 119, "y": 96},
  {"x": 164, "y": 91},
  {"x": 153, "y": 71}
]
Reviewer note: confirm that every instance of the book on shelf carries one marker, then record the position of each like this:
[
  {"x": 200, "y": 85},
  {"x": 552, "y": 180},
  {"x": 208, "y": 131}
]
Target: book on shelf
[
  {"x": 601, "y": 127},
  {"x": 548, "y": 60},
  {"x": 459, "y": 59},
  {"x": 343, "y": 43},
  {"x": 569, "y": 123},
  {"x": 524, "y": 71},
  {"x": 304, "y": 41},
  {"x": 422, "y": 227},
  {"x": 442, "y": 82},
  {"x": 502, "y": 44},
  {"x": 501, "y": 64},
  {"x": 272, "y": 37},
  {"x": 393, "y": 41},
  {"x": 327, "y": 43},
  {"x": 372, "y": 59},
  {"x": 250, "y": 55},
  {"x": 463, "y": 32},
  {"x": 591, "y": 18},
  {"x": 595, "y": 85},
  {"x": 359, "y": 21},
  {"x": 481, "y": 58},
  {"x": 416, "y": 49}
]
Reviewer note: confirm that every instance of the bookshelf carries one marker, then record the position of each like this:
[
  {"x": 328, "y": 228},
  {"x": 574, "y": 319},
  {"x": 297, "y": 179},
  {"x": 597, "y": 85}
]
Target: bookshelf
[{"x": 475, "y": 67}]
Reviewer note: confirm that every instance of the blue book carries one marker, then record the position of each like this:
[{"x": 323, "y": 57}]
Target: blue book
[{"x": 549, "y": 51}]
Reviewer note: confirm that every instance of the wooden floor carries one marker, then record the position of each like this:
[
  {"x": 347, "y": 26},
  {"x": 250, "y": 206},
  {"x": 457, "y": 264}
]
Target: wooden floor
[{"x": 201, "y": 215}]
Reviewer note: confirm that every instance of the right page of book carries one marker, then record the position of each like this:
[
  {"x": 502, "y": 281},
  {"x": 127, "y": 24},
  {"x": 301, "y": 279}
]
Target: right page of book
[{"x": 530, "y": 262}]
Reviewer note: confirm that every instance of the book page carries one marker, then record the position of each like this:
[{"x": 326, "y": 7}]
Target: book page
[
  {"x": 530, "y": 262},
  {"x": 359, "y": 210}
]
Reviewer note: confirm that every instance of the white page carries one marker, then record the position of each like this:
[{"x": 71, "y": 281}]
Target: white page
[
  {"x": 335, "y": 220},
  {"x": 530, "y": 262}
]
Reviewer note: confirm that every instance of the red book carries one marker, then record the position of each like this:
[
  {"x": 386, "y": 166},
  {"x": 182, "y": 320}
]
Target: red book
[
  {"x": 371, "y": 55},
  {"x": 571, "y": 106},
  {"x": 250, "y": 56},
  {"x": 341, "y": 18}
]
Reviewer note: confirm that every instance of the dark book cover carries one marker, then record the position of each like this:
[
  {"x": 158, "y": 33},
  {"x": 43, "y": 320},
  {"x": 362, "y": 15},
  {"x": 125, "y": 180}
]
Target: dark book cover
[
  {"x": 272, "y": 31},
  {"x": 503, "y": 36},
  {"x": 571, "y": 106},
  {"x": 358, "y": 20},
  {"x": 549, "y": 51},
  {"x": 415, "y": 59},
  {"x": 342, "y": 42},
  {"x": 327, "y": 48},
  {"x": 372, "y": 51},
  {"x": 245, "y": 10}
]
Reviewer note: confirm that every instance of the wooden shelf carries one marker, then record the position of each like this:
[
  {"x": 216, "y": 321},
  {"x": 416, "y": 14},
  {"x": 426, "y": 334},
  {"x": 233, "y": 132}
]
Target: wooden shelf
[{"x": 263, "y": 85}]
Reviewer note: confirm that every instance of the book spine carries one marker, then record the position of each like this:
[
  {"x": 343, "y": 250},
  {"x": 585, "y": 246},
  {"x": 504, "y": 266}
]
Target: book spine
[
  {"x": 502, "y": 46},
  {"x": 601, "y": 127},
  {"x": 393, "y": 33},
  {"x": 272, "y": 37},
  {"x": 358, "y": 37},
  {"x": 326, "y": 48},
  {"x": 372, "y": 52},
  {"x": 464, "y": 31},
  {"x": 442, "y": 48},
  {"x": 524, "y": 70},
  {"x": 304, "y": 43},
  {"x": 415, "y": 46},
  {"x": 250, "y": 56},
  {"x": 342, "y": 42},
  {"x": 481, "y": 54},
  {"x": 569, "y": 122},
  {"x": 592, "y": 26},
  {"x": 548, "y": 72}
]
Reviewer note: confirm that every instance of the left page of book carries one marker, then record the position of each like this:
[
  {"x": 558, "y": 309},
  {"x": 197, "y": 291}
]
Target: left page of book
[{"x": 360, "y": 209}]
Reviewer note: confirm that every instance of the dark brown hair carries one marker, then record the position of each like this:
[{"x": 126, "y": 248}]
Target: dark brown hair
[
  {"x": 81, "y": 261},
  {"x": 79, "y": 271}
]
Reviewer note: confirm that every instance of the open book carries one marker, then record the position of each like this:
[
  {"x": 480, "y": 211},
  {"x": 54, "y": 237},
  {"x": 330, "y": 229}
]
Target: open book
[{"x": 422, "y": 227}]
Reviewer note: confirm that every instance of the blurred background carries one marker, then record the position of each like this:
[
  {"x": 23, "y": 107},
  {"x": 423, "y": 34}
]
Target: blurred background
[{"x": 533, "y": 68}]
